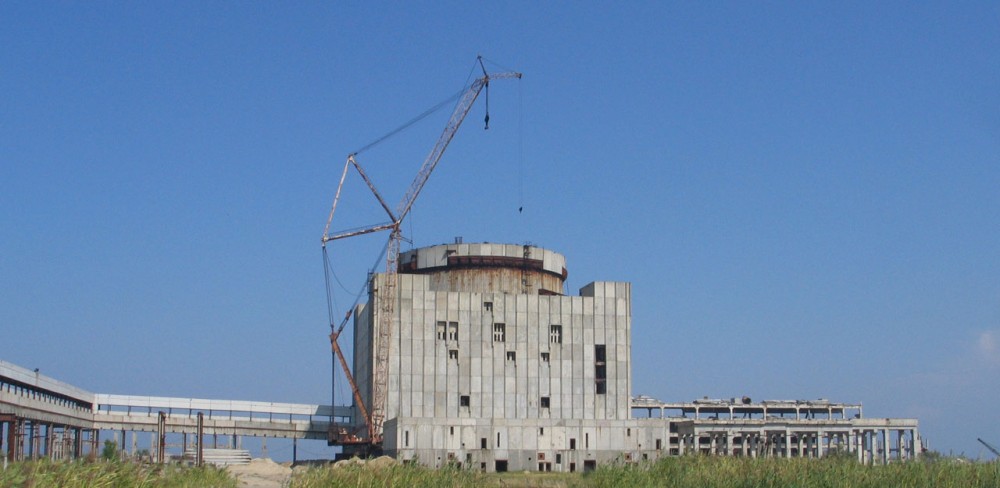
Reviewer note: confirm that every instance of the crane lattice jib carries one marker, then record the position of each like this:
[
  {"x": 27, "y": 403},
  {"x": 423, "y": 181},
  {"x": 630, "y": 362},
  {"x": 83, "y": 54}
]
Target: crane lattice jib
[
  {"x": 388, "y": 292},
  {"x": 461, "y": 110}
]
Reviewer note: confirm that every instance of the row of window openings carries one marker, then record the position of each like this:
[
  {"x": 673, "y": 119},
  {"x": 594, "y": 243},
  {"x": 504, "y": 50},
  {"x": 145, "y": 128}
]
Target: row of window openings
[
  {"x": 511, "y": 355},
  {"x": 541, "y": 432},
  {"x": 544, "y": 402},
  {"x": 449, "y": 331}
]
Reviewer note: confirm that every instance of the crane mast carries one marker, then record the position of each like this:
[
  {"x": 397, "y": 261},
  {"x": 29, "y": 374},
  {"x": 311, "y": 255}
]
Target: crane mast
[{"x": 385, "y": 319}]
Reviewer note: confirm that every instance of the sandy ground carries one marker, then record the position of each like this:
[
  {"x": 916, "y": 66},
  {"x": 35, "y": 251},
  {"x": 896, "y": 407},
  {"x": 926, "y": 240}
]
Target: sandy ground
[{"x": 262, "y": 473}]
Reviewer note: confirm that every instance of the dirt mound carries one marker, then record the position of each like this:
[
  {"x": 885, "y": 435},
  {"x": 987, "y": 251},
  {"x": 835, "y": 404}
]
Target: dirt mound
[{"x": 261, "y": 473}]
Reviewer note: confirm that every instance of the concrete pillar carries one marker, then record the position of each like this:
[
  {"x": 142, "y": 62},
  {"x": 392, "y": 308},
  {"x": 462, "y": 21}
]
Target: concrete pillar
[
  {"x": 32, "y": 440},
  {"x": 885, "y": 446},
  {"x": 788, "y": 443}
]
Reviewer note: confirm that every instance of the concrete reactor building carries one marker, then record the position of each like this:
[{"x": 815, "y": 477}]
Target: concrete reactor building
[{"x": 492, "y": 366}]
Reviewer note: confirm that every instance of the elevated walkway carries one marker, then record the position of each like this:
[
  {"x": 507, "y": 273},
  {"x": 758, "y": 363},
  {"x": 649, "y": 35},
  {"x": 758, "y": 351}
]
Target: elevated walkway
[{"x": 41, "y": 416}]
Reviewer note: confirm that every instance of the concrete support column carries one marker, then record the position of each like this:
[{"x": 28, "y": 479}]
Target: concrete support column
[
  {"x": 50, "y": 441},
  {"x": 899, "y": 445},
  {"x": 858, "y": 446},
  {"x": 77, "y": 443},
  {"x": 788, "y": 443},
  {"x": 32, "y": 440},
  {"x": 885, "y": 446}
]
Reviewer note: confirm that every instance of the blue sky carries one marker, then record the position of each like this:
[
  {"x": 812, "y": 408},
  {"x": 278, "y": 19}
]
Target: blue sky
[{"x": 804, "y": 195}]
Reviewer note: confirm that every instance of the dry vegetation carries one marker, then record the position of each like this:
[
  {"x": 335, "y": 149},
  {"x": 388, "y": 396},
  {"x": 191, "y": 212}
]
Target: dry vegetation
[{"x": 688, "y": 471}]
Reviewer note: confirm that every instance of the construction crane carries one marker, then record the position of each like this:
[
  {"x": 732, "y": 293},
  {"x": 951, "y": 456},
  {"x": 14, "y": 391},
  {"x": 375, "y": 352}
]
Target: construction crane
[
  {"x": 384, "y": 320},
  {"x": 988, "y": 446}
]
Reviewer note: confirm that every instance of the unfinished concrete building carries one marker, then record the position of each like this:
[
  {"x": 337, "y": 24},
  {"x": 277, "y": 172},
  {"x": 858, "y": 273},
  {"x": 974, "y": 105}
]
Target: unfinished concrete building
[{"x": 492, "y": 366}]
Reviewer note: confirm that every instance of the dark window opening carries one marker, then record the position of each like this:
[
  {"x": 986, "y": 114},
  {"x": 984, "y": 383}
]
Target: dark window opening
[
  {"x": 544, "y": 403},
  {"x": 600, "y": 369},
  {"x": 488, "y": 306},
  {"x": 572, "y": 467},
  {"x": 545, "y": 357},
  {"x": 511, "y": 356},
  {"x": 501, "y": 466},
  {"x": 558, "y": 458},
  {"x": 441, "y": 330},
  {"x": 572, "y": 444},
  {"x": 541, "y": 431},
  {"x": 453, "y": 354},
  {"x": 586, "y": 441},
  {"x": 482, "y": 444},
  {"x": 589, "y": 466},
  {"x": 463, "y": 401},
  {"x": 498, "y": 439},
  {"x": 406, "y": 438},
  {"x": 628, "y": 432},
  {"x": 659, "y": 444},
  {"x": 452, "y": 331},
  {"x": 451, "y": 430}
]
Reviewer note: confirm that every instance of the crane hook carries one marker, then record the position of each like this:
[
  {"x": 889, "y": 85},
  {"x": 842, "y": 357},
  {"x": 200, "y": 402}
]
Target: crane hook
[{"x": 487, "y": 119}]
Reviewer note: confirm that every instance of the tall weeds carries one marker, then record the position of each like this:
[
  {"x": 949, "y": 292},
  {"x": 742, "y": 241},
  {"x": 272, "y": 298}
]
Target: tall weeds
[{"x": 103, "y": 474}]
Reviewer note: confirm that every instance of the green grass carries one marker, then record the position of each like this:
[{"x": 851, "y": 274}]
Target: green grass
[
  {"x": 687, "y": 471},
  {"x": 104, "y": 474},
  {"x": 723, "y": 472}
]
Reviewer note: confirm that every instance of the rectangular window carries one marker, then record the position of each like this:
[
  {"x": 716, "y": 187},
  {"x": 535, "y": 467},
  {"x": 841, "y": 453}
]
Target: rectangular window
[
  {"x": 406, "y": 438},
  {"x": 600, "y": 369},
  {"x": 452, "y": 331},
  {"x": 541, "y": 431},
  {"x": 545, "y": 357},
  {"x": 499, "y": 333},
  {"x": 511, "y": 356},
  {"x": 558, "y": 458},
  {"x": 482, "y": 445},
  {"x": 463, "y": 401},
  {"x": 555, "y": 334},
  {"x": 488, "y": 306},
  {"x": 453, "y": 354},
  {"x": 586, "y": 441},
  {"x": 440, "y": 330},
  {"x": 659, "y": 444},
  {"x": 572, "y": 444},
  {"x": 544, "y": 403}
]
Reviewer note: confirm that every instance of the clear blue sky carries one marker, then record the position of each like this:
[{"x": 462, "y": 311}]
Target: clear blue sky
[{"x": 805, "y": 196}]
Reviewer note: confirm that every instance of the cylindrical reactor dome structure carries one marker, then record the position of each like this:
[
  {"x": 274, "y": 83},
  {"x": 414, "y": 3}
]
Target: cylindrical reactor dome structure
[{"x": 488, "y": 268}]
